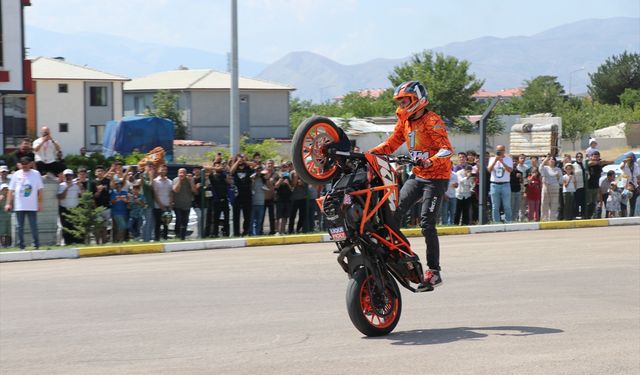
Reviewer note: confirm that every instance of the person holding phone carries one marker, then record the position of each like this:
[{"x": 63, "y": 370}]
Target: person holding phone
[
  {"x": 46, "y": 150},
  {"x": 500, "y": 167}
]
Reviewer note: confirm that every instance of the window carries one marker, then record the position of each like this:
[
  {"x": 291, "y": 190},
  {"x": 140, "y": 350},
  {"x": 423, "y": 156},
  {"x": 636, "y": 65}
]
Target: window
[
  {"x": 98, "y": 96},
  {"x": 63, "y": 127},
  {"x": 96, "y": 134},
  {"x": 14, "y": 120},
  {"x": 63, "y": 87}
]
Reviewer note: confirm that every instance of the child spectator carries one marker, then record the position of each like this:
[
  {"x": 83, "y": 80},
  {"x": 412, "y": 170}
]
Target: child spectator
[
  {"x": 533, "y": 193},
  {"x": 625, "y": 200},
  {"x": 5, "y": 218},
  {"x": 136, "y": 204},
  {"x": 283, "y": 197},
  {"x": 119, "y": 210},
  {"x": 613, "y": 201},
  {"x": 568, "y": 191},
  {"x": 464, "y": 193}
]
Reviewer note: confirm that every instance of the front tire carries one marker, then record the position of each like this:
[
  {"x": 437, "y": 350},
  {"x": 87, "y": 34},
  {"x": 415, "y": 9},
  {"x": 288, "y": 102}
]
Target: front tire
[
  {"x": 309, "y": 142},
  {"x": 368, "y": 317}
]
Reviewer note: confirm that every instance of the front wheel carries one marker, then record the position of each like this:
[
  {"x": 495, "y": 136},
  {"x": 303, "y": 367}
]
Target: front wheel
[
  {"x": 373, "y": 313},
  {"x": 309, "y": 143}
]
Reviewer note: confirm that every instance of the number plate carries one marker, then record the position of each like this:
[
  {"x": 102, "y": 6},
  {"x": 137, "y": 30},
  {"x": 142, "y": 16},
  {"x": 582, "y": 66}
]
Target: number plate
[{"x": 337, "y": 234}]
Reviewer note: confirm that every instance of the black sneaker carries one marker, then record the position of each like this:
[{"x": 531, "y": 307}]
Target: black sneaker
[{"x": 432, "y": 279}]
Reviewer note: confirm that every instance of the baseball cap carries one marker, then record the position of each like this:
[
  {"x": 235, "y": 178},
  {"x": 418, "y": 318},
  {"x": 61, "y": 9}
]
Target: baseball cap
[
  {"x": 592, "y": 140},
  {"x": 67, "y": 171},
  {"x": 3, "y": 168},
  {"x": 4, "y": 186}
]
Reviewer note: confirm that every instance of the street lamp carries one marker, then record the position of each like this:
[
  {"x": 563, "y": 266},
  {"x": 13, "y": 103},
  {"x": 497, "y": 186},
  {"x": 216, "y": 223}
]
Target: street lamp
[{"x": 571, "y": 78}]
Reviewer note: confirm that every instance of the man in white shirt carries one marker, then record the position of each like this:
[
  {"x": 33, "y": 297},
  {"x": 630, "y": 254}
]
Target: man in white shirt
[
  {"x": 25, "y": 199},
  {"x": 449, "y": 201},
  {"x": 163, "y": 195},
  {"x": 68, "y": 197},
  {"x": 46, "y": 151},
  {"x": 500, "y": 167}
]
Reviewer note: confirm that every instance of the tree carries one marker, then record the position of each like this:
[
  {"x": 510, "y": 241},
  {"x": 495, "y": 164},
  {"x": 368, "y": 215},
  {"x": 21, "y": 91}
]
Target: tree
[
  {"x": 85, "y": 218},
  {"x": 165, "y": 105},
  {"x": 630, "y": 97},
  {"x": 354, "y": 104},
  {"x": 541, "y": 95},
  {"x": 614, "y": 76},
  {"x": 449, "y": 84}
]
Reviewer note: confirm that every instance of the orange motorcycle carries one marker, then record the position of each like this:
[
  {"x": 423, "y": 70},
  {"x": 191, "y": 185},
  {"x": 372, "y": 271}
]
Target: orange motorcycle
[{"x": 359, "y": 209}]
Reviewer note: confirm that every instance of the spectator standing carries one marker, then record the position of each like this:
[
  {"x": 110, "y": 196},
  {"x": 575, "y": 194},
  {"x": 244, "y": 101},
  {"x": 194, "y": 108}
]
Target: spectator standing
[
  {"x": 612, "y": 203},
  {"x": 23, "y": 150},
  {"x": 199, "y": 205},
  {"x": 464, "y": 194},
  {"x": 593, "y": 147},
  {"x": 500, "y": 167},
  {"x": 148, "y": 194},
  {"x": 162, "y": 193},
  {"x": 631, "y": 176},
  {"x": 594, "y": 168},
  {"x": 519, "y": 211},
  {"x": 449, "y": 201},
  {"x": 68, "y": 197},
  {"x": 241, "y": 173},
  {"x": 221, "y": 196},
  {"x": 568, "y": 191},
  {"x": 580, "y": 173},
  {"x": 298, "y": 204},
  {"x": 183, "y": 189},
  {"x": 101, "y": 191},
  {"x": 605, "y": 184},
  {"x": 283, "y": 189},
  {"x": 46, "y": 150},
  {"x": 515, "y": 183},
  {"x": 269, "y": 196},
  {"x": 4, "y": 175},
  {"x": 257, "y": 200},
  {"x": 533, "y": 194},
  {"x": 82, "y": 180},
  {"x": 551, "y": 177},
  {"x": 625, "y": 196},
  {"x": 462, "y": 161},
  {"x": 136, "y": 204},
  {"x": 24, "y": 197},
  {"x": 119, "y": 200},
  {"x": 5, "y": 217}
]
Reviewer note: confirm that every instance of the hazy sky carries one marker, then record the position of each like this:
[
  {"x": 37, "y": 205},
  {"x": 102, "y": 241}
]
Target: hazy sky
[{"x": 348, "y": 31}]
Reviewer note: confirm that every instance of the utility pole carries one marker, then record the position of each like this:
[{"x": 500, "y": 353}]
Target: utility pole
[
  {"x": 482, "y": 168},
  {"x": 234, "y": 97}
]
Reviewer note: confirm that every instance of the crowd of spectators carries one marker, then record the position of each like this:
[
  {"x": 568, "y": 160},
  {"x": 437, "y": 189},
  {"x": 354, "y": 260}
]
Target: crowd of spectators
[{"x": 252, "y": 197}]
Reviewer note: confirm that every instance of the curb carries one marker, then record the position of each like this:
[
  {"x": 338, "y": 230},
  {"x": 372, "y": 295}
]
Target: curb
[{"x": 93, "y": 251}]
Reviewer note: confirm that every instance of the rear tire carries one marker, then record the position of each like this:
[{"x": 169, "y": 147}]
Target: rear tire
[
  {"x": 368, "y": 319},
  {"x": 309, "y": 158}
]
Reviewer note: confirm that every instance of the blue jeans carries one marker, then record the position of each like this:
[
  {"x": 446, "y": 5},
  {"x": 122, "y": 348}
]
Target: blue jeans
[
  {"x": 32, "y": 216},
  {"x": 500, "y": 195},
  {"x": 147, "y": 229},
  {"x": 257, "y": 219},
  {"x": 448, "y": 210},
  {"x": 134, "y": 226}
]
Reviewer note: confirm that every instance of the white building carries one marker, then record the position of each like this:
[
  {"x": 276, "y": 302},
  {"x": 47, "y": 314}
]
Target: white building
[
  {"x": 203, "y": 97},
  {"x": 75, "y": 102}
]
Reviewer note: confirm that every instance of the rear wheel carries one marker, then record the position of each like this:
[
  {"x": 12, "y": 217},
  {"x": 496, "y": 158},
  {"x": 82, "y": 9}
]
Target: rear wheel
[
  {"x": 373, "y": 313},
  {"x": 309, "y": 143}
]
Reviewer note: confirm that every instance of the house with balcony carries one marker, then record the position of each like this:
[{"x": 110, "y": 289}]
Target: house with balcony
[
  {"x": 75, "y": 102},
  {"x": 203, "y": 98}
]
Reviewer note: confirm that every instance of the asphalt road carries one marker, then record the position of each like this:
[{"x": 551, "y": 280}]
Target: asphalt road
[{"x": 540, "y": 302}]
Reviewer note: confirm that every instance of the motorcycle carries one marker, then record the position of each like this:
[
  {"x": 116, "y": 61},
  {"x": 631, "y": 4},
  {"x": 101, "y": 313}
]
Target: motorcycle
[{"x": 359, "y": 209}]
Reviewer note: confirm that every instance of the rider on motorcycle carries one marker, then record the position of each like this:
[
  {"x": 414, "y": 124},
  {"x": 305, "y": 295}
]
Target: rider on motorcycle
[{"x": 428, "y": 143}]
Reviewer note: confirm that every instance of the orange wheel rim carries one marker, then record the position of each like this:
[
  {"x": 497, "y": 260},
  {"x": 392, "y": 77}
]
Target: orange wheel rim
[
  {"x": 379, "y": 318},
  {"x": 314, "y": 155}
]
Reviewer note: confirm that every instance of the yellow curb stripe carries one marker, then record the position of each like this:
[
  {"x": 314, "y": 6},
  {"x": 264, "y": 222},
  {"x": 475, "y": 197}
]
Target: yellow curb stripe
[
  {"x": 93, "y": 251},
  {"x": 412, "y": 232},
  {"x": 265, "y": 241},
  {"x": 557, "y": 224},
  {"x": 141, "y": 249},
  {"x": 592, "y": 223},
  {"x": 279, "y": 240},
  {"x": 453, "y": 230}
]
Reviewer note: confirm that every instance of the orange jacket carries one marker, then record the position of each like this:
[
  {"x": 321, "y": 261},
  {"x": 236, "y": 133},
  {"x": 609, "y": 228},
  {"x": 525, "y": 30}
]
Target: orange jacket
[{"x": 431, "y": 142}]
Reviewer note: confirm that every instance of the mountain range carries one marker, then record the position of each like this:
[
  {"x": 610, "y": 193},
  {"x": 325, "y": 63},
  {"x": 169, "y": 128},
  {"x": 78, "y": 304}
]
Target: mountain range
[{"x": 569, "y": 52}]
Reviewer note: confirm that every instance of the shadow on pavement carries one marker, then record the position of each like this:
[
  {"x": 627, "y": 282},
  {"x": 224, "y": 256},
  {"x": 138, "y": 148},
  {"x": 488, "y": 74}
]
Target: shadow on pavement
[{"x": 447, "y": 335}]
